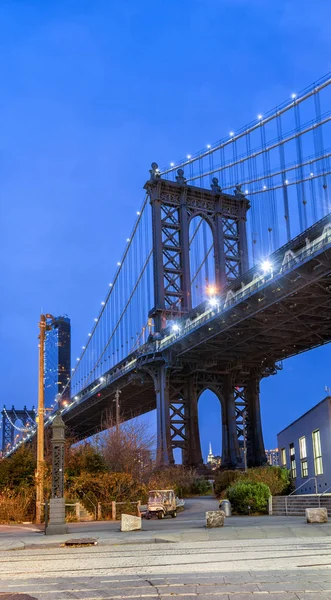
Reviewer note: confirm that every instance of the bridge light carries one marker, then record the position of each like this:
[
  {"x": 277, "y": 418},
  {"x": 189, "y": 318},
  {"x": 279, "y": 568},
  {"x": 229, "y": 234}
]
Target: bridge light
[
  {"x": 189, "y": 156},
  {"x": 208, "y": 146},
  {"x": 172, "y": 164},
  {"x": 231, "y": 133},
  {"x": 110, "y": 284},
  {"x": 77, "y": 358},
  {"x": 83, "y": 347},
  {"x": 118, "y": 264},
  {"x": 89, "y": 334},
  {"x": 138, "y": 212},
  {"x": 76, "y": 398},
  {"x": 286, "y": 181},
  {"x": 266, "y": 266},
  {"x": 211, "y": 290},
  {"x": 103, "y": 303},
  {"x": 260, "y": 117},
  {"x": 293, "y": 96},
  {"x": 311, "y": 174},
  {"x": 175, "y": 328},
  {"x": 264, "y": 187},
  {"x": 213, "y": 302},
  {"x": 95, "y": 319},
  {"x": 72, "y": 369},
  {"x": 128, "y": 240},
  {"x": 102, "y": 379},
  {"x": 246, "y": 191}
]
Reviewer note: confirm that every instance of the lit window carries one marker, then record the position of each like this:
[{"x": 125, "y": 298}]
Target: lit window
[
  {"x": 303, "y": 448},
  {"x": 318, "y": 464},
  {"x": 304, "y": 468},
  {"x": 283, "y": 454},
  {"x": 293, "y": 466}
]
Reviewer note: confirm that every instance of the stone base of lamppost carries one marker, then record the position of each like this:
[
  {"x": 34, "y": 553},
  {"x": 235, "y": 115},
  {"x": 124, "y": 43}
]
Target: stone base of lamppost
[{"x": 57, "y": 520}]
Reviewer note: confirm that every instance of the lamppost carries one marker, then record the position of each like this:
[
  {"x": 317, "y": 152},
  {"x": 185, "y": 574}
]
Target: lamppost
[
  {"x": 57, "y": 523},
  {"x": 40, "y": 417}
]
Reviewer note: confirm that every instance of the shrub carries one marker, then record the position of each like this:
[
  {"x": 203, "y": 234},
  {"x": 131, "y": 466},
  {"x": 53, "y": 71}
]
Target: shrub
[
  {"x": 275, "y": 478},
  {"x": 17, "y": 507},
  {"x": 176, "y": 478},
  {"x": 201, "y": 486},
  {"x": 224, "y": 479},
  {"x": 246, "y": 494}
]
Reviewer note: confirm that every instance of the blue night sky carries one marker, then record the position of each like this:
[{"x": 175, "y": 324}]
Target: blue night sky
[{"x": 91, "y": 94}]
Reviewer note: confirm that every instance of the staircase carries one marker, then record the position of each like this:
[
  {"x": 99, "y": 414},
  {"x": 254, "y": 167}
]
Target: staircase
[
  {"x": 296, "y": 505},
  {"x": 85, "y": 515}
]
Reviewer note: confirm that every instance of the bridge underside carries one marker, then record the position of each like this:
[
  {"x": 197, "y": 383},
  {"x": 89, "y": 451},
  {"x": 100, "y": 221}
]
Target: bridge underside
[{"x": 228, "y": 354}]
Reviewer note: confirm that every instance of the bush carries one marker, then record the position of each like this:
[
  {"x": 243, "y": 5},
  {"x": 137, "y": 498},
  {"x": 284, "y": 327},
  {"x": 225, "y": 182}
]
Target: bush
[
  {"x": 275, "y": 478},
  {"x": 17, "y": 507},
  {"x": 224, "y": 479},
  {"x": 246, "y": 494},
  {"x": 201, "y": 486}
]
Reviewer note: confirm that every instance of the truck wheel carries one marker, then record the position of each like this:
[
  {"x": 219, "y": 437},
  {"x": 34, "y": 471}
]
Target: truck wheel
[
  {"x": 174, "y": 514},
  {"x": 160, "y": 514}
]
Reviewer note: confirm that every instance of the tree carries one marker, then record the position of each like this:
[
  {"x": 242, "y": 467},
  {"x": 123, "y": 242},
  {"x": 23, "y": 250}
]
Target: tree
[{"x": 127, "y": 448}]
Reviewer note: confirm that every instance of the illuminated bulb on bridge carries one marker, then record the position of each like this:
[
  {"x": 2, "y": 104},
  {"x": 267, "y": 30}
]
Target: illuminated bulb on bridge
[
  {"x": 311, "y": 174},
  {"x": 110, "y": 284},
  {"x": 231, "y": 133},
  {"x": 102, "y": 379},
  {"x": 128, "y": 240},
  {"x": 246, "y": 191},
  {"x": 172, "y": 164},
  {"x": 89, "y": 334},
  {"x": 72, "y": 369},
  {"x": 264, "y": 187},
  {"x": 266, "y": 266},
  {"x": 259, "y": 117},
  {"x": 286, "y": 181},
  {"x": 77, "y": 358},
  {"x": 189, "y": 156},
  {"x": 96, "y": 319},
  {"x": 208, "y": 146},
  {"x": 76, "y": 398},
  {"x": 103, "y": 303},
  {"x": 175, "y": 328},
  {"x": 213, "y": 302},
  {"x": 118, "y": 264},
  {"x": 293, "y": 96},
  {"x": 138, "y": 212}
]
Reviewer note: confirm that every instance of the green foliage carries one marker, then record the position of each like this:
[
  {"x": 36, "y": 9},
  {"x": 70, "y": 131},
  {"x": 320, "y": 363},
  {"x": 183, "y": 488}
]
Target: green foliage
[
  {"x": 275, "y": 478},
  {"x": 18, "y": 471},
  {"x": 201, "y": 486},
  {"x": 84, "y": 458},
  {"x": 246, "y": 494},
  {"x": 224, "y": 479},
  {"x": 106, "y": 487}
]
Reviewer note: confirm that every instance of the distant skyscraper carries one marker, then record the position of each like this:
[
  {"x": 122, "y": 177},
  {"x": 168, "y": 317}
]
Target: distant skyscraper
[
  {"x": 57, "y": 361},
  {"x": 210, "y": 456},
  {"x": 273, "y": 457}
]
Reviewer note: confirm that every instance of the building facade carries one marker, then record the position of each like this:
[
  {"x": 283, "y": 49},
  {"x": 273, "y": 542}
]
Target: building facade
[
  {"x": 273, "y": 457},
  {"x": 57, "y": 362},
  {"x": 305, "y": 449}
]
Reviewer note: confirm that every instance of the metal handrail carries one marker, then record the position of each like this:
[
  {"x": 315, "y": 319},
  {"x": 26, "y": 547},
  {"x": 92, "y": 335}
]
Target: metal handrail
[
  {"x": 304, "y": 483},
  {"x": 91, "y": 502}
]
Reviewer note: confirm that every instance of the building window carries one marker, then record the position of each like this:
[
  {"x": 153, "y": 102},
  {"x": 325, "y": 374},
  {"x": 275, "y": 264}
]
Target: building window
[
  {"x": 318, "y": 464},
  {"x": 293, "y": 466},
  {"x": 304, "y": 468},
  {"x": 303, "y": 456},
  {"x": 303, "y": 448},
  {"x": 283, "y": 454}
]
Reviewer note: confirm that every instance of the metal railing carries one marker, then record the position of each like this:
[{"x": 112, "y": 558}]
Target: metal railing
[{"x": 298, "y": 488}]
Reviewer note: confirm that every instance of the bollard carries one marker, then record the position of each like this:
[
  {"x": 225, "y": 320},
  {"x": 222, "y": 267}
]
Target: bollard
[
  {"x": 113, "y": 511},
  {"x": 138, "y": 508},
  {"x": 99, "y": 513}
]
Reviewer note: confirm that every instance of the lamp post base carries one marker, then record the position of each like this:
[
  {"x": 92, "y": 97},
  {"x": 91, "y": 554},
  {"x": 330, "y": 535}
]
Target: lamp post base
[{"x": 57, "y": 524}]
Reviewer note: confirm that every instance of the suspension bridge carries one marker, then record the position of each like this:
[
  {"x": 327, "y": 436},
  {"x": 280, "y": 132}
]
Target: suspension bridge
[{"x": 226, "y": 273}]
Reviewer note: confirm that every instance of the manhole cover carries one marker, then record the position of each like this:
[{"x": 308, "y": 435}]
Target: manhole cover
[{"x": 81, "y": 542}]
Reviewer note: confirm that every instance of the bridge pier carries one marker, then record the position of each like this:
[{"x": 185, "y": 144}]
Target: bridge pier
[{"x": 177, "y": 416}]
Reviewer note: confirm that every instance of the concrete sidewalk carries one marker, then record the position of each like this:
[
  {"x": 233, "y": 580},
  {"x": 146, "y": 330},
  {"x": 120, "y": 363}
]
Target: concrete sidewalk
[{"x": 108, "y": 534}]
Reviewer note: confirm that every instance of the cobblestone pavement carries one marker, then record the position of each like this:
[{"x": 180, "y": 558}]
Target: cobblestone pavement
[{"x": 278, "y": 569}]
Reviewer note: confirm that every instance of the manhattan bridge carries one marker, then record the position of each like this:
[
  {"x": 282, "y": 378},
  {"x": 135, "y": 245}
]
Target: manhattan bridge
[{"x": 227, "y": 273}]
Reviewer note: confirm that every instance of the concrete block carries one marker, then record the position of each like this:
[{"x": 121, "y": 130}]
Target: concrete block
[
  {"x": 130, "y": 523},
  {"x": 316, "y": 515},
  {"x": 215, "y": 518}
]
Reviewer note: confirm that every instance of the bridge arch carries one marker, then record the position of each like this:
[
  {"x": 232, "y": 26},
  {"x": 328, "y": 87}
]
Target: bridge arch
[
  {"x": 202, "y": 257},
  {"x": 210, "y": 420}
]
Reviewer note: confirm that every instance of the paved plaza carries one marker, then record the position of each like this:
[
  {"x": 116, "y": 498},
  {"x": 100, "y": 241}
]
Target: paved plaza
[{"x": 251, "y": 558}]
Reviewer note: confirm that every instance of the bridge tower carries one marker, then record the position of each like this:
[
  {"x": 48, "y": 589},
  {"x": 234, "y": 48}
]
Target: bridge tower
[{"x": 178, "y": 385}]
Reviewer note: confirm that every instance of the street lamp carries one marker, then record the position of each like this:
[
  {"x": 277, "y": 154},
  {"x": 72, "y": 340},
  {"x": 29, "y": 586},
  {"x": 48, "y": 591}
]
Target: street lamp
[{"x": 43, "y": 327}]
